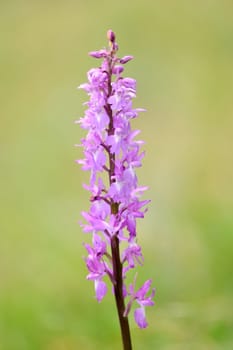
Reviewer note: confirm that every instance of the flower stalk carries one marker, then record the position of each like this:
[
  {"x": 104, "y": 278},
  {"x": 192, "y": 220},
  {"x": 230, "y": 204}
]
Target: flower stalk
[{"x": 110, "y": 149}]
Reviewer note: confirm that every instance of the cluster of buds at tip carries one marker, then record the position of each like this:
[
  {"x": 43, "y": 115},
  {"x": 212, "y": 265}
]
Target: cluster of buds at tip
[{"x": 111, "y": 154}]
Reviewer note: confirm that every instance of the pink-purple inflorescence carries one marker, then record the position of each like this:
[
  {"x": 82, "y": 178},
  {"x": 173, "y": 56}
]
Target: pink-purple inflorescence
[{"x": 111, "y": 154}]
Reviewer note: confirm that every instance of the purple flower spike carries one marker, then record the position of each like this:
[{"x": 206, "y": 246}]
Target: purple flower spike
[{"x": 111, "y": 155}]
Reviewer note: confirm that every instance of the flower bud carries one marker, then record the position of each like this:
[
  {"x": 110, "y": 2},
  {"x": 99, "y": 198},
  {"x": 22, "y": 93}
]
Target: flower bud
[
  {"x": 126, "y": 59},
  {"x": 111, "y": 36},
  {"x": 117, "y": 69},
  {"x": 98, "y": 54}
]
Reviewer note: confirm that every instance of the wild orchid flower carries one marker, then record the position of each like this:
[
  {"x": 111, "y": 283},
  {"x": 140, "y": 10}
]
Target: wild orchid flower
[{"x": 111, "y": 155}]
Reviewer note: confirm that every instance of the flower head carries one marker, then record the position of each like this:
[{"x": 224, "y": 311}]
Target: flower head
[{"x": 111, "y": 155}]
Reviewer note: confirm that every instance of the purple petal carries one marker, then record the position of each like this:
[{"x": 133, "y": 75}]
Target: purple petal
[
  {"x": 144, "y": 289},
  {"x": 100, "y": 290},
  {"x": 140, "y": 317}
]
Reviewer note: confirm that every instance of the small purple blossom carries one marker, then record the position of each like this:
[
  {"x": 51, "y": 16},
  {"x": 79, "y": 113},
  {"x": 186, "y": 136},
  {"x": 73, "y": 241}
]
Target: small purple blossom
[
  {"x": 111, "y": 155},
  {"x": 142, "y": 300}
]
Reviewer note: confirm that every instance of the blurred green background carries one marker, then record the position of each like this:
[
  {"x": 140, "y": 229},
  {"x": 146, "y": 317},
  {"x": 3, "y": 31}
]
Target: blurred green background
[{"x": 183, "y": 64}]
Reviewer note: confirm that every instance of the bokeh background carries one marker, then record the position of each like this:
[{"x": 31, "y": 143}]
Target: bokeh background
[{"x": 183, "y": 64}]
